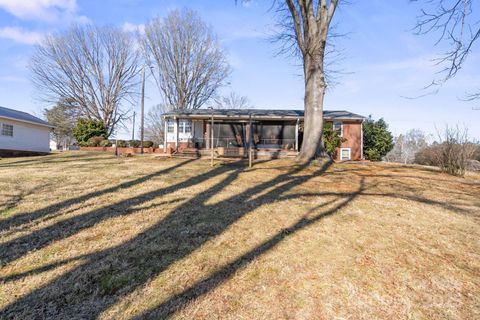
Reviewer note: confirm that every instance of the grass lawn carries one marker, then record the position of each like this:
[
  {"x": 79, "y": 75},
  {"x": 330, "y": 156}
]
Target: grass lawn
[{"x": 85, "y": 235}]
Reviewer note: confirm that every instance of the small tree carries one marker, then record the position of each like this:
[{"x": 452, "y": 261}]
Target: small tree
[
  {"x": 455, "y": 150},
  {"x": 476, "y": 154},
  {"x": 86, "y": 129},
  {"x": 331, "y": 139},
  {"x": 377, "y": 140},
  {"x": 406, "y": 146},
  {"x": 427, "y": 156},
  {"x": 63, "y": 118},
  {"x": 154, "y": 123}
]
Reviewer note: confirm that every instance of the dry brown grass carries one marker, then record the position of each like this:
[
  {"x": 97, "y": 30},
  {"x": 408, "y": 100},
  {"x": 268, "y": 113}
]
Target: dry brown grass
[{"x": 87, "y": 235}]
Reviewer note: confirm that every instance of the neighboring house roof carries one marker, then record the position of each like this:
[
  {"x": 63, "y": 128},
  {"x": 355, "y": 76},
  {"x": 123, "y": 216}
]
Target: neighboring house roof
[
  {"x": 21, "y": 116},
  {"x": 259, "y": 113}
]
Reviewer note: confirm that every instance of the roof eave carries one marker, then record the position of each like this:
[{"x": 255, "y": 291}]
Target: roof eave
[
  {"x": 345, "y": 118},
  {"x": 29, "y": 122},
  {"x": 244, "y": 117}
]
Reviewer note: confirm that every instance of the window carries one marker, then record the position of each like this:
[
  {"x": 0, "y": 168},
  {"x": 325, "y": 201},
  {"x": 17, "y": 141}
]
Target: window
[
  {"x": 170, "y": 126},
  {"x": 345, "y": 154},
  {"x": 7, "y": 130},
  {"x": 187, "y": 125},
  {"x": 338, "y": 126}
]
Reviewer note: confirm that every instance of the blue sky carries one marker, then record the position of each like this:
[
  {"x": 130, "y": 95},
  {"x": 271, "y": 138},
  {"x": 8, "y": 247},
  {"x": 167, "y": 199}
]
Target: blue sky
[{"x": 382, "y": 61}]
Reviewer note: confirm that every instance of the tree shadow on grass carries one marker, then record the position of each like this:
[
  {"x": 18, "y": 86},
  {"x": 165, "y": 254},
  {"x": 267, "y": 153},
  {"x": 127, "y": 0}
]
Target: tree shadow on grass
[
  {"x": 19, "y": 195},
  {"x": 179, "y": 301},
  {"x": 105, "y": 277},
  {"x": 38, "y": 239},
  {"x": 55, "y": 209},
  {"x": 52, "y": 159}
]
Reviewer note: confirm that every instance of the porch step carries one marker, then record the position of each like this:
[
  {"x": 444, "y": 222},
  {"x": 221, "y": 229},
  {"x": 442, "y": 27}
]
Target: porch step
[
  {"x": 274, "y": 154},
  {"x": 192, "y": 153}
]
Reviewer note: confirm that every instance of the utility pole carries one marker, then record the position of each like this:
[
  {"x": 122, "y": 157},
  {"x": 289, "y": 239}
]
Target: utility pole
[
  {"x": 142, "y": 109},
  {"x": 133, "y": 129}
]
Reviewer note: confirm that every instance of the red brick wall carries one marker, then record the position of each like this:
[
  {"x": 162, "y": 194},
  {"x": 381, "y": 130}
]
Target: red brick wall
[
  {"x": 352, "y": 133},
  {"x": 123, "y": 150}
]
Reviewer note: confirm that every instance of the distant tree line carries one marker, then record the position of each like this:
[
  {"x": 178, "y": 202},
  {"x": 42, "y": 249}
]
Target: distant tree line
[
  {"x": 453, "y": 151},
  {"x": 406, "y": 146}
]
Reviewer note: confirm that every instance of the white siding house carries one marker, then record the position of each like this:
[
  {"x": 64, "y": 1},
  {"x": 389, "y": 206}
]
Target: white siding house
[
  {"x": 22, "y": 133},
  {"x": 180, "y": 131}
]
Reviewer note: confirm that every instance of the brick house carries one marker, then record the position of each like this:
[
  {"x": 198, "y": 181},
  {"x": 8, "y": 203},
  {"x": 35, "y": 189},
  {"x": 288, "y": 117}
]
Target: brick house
[{"x": 274, "y": 132}]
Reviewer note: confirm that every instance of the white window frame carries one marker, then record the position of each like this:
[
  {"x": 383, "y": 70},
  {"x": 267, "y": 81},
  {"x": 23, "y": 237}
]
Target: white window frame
[
  {"x": 170, "y": 124},
  {"x": 185, "y": 124},
  {"x": 341, "y": 127},
  {"x": 2, "y": 132},
  {"x": 349, "y": 154}
]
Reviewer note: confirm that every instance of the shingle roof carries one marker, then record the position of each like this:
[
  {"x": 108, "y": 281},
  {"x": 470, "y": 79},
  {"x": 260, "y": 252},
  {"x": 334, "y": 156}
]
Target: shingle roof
[
  {"x": 22, "y": 116},
  {"x": 261, "y": 113}
]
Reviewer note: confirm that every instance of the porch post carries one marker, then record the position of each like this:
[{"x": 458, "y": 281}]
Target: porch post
[
  {"x": 176, "y": 133},
  {"x": 165, "y": 133},
  {"x": 296, "y": 134},
  {"x": 212, "y": 128},
  {"x": 207, "y": 134},
  {"x": 250, "y": 141},
  {"x": 213, "y": 143},
  {"x": 361, "y": 140},
  {"x": 192, "y": 133}
]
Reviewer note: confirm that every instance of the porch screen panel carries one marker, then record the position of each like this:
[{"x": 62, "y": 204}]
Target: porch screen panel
[
  {"x": 274, "y": 134},
  {"x": 229, "y": 134}
]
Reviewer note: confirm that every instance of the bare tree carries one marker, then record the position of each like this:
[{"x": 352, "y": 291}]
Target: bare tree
[
  {"x": 63, "y": 117},
  {"x": 454, "y": 23},
  {"x": 154, "y": 123},
  {"x": 455, "y": 150},
  {"x": 232, "y": 101},
  {"x": 189, "y": 63},
  {"x": 307, "y": 27},
  {"x": 406, "y": 146},
  {"x": 94, "y": 68}
]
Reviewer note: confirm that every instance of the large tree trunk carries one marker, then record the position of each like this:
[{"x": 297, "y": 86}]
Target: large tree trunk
[
  {"x": 310, "y": 23},
  {"x": 315, "y": 86}
]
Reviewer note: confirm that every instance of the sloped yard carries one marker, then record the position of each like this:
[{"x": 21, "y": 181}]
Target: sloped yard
[{"x": 85, "y": 235}]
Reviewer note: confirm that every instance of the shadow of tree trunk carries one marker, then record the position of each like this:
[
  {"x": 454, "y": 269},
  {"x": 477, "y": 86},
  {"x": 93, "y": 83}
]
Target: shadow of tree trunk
[
  {"x": 53, "y": 210},
  {"x": 177, "y": 302},
  {"x": 78, "y": 293}
]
